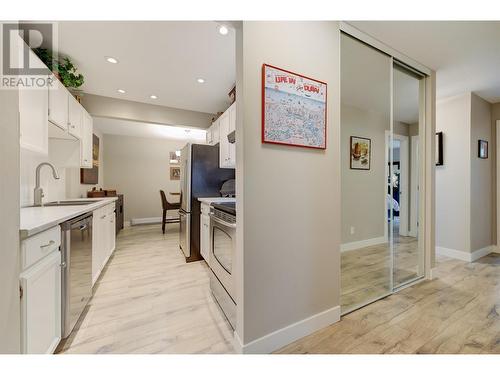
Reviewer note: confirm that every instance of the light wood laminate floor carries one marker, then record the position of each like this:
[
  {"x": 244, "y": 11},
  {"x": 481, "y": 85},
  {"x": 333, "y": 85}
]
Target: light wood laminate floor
[
  {"x": 456, "y": 312},
  {"x": 149, "y": 300}
]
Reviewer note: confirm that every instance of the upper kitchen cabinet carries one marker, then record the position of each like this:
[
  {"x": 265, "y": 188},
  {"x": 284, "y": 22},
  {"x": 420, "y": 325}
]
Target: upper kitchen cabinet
[
  {"x": 75, "y": 117},
  {"x": 86, "y": 141},
  {"x": 227, "y": 150},
  {"x": 33, "y": 109},
  {"x": 213, "y": 133},
  {"x": 58, "y": 104}
]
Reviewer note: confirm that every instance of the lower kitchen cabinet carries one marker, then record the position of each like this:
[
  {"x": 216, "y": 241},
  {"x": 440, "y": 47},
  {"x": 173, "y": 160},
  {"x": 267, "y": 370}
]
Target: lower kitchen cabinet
[
  {"x": 41, "y": 305},
  {"x": 103, "y": 239}
]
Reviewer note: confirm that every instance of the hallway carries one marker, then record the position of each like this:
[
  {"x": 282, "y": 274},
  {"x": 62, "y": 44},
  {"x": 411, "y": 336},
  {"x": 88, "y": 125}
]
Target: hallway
[{"x": 148, "y": 300}]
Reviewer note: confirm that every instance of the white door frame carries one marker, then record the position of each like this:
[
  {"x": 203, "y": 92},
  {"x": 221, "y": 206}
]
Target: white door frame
[
  {"x": 413, "y": 232},
  {"x": 403, "y": 189}
]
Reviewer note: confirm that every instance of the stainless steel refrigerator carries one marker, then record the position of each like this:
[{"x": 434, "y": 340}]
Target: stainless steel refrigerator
[{"x": 201, "y": 177}]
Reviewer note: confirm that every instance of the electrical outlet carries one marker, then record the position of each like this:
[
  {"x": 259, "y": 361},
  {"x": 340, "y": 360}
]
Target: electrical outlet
[{"x": 352, "y": 230}]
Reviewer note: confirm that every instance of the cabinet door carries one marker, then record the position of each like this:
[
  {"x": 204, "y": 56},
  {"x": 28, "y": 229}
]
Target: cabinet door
[
  {"x": 41, "y": 306},
  {"x": 58, "y": 104},
  {"x": 209, "y": 136},
  {"x": 33, "y": 112},
  {"x": 75, "y": 117},
  {"x": 205, "y": 237},
  {"x": 232, "y": 117},
  {"x": 86, "y": 141},
  {"x": 216, "y": 132},
  {"x": 111, "y": 233},
  {"x": 224, "y": 143}
]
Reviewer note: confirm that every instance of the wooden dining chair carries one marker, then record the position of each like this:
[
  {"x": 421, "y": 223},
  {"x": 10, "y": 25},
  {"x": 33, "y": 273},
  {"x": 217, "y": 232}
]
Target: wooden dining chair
[{"x": 166, "y": 205}]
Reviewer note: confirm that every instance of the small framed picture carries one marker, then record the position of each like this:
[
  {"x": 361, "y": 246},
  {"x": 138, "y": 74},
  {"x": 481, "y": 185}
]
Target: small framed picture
[
  {"x": 439, "y": 148},
  {"x": 482, "y": 151},
  {"x": 360, "y": 153},
  {"x": 175, "y": 173}
]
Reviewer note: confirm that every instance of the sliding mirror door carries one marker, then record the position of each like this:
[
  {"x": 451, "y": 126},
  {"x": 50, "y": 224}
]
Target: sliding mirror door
[
  {"x": 366, "y": 240},
  {"x": 405, "y": 179}
]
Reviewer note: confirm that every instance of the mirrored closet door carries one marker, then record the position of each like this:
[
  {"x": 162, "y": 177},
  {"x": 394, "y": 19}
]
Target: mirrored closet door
[{"x": 380, "y": 174}]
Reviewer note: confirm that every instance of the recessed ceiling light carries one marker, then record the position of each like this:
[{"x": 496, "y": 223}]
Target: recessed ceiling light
[
  {"x": 223, "y": 30},
  {"x": 121, "y": 91},
  {"x": 153, "y": 97},
  {"x": 111, "y": 60},
  {"x": 200, "y": 80}
]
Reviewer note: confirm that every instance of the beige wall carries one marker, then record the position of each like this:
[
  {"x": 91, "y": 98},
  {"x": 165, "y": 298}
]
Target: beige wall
[
  {"x": 481, "y": 176},
  {"x": 363, "y": 192},
  {"x": 103, "y": 106},
  {"x": 465, "y": 184},
  {"x": 453, "y": 178},
  {"x": 291, "y": 268},
  {"x": 9, "y": 223},
  {"x": 138, "y": 168}
]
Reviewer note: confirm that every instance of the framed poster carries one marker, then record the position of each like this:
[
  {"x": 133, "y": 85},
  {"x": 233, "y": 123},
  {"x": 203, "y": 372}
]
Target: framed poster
[
  {"x": 175, "y": 173},
  {"x": 360, "y": 156},
  {"x": 293, "y": 109},
  {"x": 90, "y": 176},
  {"x": 439, "y": 148},
  {"x": 482, "y": 151}
]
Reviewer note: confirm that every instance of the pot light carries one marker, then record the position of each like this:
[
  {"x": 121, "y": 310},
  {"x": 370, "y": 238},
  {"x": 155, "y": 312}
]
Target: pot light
[
  {"x": 223, "y": 30},
  {"x": 111, "y": 60},
  {"x": 153, "y": 97},
  {"x": 121, "y": 91},
  {"x": 200, "y": 80}
]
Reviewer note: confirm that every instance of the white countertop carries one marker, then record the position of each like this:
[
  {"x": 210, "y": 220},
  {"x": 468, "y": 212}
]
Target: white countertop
[
  {"x": 38, "y": 219},
  {"x": 216, "y": 199}
]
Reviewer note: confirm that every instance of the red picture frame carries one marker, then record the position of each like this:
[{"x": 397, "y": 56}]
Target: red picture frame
[{"x": 323, "y": 87}]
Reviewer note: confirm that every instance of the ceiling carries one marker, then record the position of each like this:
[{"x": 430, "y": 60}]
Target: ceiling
[
  {"x": 145, "y": 130},
  {"x": 464, "y": 54},
  {"x": 163, "y": 58}
]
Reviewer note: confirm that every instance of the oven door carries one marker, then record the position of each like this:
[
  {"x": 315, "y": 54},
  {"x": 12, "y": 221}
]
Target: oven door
[{"x": 222, "y": 250}]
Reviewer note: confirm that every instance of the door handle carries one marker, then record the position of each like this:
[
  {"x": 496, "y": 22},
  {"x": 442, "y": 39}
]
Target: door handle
[{"x": 51, "y": 242}]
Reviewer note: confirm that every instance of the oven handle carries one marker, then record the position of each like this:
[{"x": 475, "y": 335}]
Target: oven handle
[{"x": 222, "y": 222}]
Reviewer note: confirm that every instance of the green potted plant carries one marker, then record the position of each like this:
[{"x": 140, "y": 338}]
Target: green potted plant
[{"x": 64, "y": 70}]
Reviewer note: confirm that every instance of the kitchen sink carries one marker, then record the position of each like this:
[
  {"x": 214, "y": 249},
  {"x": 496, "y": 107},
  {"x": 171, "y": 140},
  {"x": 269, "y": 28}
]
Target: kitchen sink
[{"x": 66, "y": 203}]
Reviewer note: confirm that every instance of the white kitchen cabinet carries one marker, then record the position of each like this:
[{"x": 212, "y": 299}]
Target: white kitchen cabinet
[
  {"x": 227, "y": 151},
  {"x": 33, "y": 110},
  {"x": 213, "y": 133},
  {"x": 86, "y": 141},
  {"x": 75, "y": 117},
  {"x": 41, "y": 305},
  {"x": 58, "y": 104},
  {"x": 205, "y": 232},
  {"x": 103, "y": 239}
]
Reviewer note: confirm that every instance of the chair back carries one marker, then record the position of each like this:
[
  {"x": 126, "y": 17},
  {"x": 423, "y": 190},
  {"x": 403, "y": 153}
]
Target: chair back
[{"x": 164, "y": 202}]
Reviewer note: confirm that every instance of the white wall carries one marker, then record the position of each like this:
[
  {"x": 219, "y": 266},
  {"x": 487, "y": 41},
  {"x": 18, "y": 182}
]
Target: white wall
[
  {"x": 9, "y": 223},
  {"x": 453, "y": 178},
  {"x": 289, "y": 226},
  {"x": 481, "y": 177},
  {"x": 138, "y": 168},
  {"x": 495, "y": 115}
]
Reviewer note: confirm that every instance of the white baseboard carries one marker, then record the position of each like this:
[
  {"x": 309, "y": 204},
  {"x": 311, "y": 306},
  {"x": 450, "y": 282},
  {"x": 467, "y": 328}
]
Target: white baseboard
[
  {"x": 284, "y": 336},
  {"x": 126, "y": 223},
  {"x": 360, "y": 244},
  {"x": 146, "y": 220},
  {"x": 465, "y": 256}
]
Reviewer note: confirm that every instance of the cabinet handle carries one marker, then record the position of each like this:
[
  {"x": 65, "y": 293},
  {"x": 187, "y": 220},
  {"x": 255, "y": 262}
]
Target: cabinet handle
[
  {"x": 63, "y": 265},
  {"x": 102, "y": 217},
  {"x": 51, "y": 242}
]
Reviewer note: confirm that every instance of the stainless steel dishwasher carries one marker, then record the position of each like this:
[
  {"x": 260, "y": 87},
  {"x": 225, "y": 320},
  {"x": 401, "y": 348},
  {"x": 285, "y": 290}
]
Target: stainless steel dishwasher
[{"x": 76, "y": 253}]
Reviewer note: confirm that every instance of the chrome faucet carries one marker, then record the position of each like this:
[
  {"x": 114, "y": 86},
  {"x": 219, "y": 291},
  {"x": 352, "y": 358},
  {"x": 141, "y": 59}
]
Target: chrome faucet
[{"x": 38, "y": 192}]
